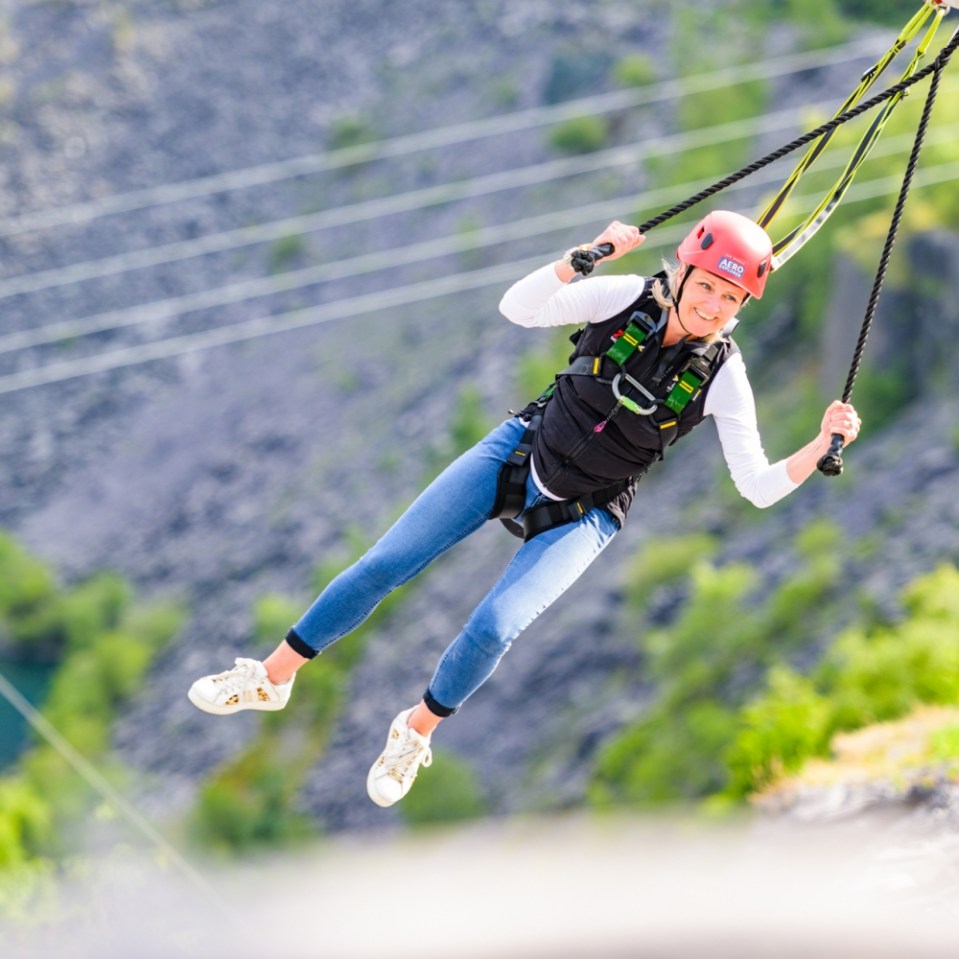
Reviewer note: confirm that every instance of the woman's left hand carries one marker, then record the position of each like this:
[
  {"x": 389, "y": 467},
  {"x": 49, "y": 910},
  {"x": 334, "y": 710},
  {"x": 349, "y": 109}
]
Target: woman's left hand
[{"x": 840, "y": 418}]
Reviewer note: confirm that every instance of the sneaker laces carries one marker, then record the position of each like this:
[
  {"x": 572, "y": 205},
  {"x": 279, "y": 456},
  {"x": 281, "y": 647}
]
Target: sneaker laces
[
  {"x": 406, "y": 755},
  {"x": 243, "y": 672}
]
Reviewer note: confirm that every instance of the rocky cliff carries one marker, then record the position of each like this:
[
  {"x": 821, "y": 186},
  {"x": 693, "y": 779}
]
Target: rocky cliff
[{"x": 133, "y": 133}]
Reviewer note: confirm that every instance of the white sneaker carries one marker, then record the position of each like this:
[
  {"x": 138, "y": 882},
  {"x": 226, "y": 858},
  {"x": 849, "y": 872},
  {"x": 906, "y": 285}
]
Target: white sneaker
[
  {"x": 244, "y": 687},
  {"x": 392, "y": 775}
]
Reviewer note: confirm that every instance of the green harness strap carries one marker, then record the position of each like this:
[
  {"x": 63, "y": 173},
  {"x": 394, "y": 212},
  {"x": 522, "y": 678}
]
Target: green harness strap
[
  {"x": 630, "y": 341},
  {"x": 511, "y": 486}
]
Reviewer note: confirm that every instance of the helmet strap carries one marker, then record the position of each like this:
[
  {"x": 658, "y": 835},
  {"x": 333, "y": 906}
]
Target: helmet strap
[{"x": 682, "y": 285}]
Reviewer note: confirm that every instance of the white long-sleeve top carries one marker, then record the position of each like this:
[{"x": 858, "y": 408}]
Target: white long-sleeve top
[{"x": 541, "y": 299}]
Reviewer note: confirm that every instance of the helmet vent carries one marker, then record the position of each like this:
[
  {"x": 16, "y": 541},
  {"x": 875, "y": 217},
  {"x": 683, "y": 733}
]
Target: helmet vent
[{"x": 706, "y": 242}]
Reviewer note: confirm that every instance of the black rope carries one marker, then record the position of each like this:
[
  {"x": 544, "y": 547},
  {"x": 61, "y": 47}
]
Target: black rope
[
  {"x": 941, "y": 59},
  {"x": 585, "y": 259},
  {"x": 831, "y": 462}
]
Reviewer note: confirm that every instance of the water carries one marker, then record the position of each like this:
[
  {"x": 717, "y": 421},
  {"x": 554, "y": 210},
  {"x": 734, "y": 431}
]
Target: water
[{"x": 31, "y": 680}]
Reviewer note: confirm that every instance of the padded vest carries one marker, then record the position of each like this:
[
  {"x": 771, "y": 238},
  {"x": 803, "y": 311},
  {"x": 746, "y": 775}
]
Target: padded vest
[{"x": 588, "y": 442}]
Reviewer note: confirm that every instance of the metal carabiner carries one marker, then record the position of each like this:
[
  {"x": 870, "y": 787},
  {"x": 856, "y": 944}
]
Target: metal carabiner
[{"x": 632, "y": 405}]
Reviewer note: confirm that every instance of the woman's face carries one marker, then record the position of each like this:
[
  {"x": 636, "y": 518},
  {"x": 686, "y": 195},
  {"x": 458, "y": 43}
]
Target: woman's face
[{"x": 708, "y": 303}]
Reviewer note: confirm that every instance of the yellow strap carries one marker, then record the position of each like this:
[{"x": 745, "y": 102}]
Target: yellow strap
[{"x": 794, "y": 240}]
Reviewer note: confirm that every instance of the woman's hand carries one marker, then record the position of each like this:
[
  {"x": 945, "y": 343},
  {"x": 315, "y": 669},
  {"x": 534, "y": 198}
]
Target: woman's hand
[
  {"x": 840, "y": 418},
  {"x": 623, "y": 238}
]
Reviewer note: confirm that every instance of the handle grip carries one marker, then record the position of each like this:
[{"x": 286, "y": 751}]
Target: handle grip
[
  {"x": 584, "y": 259},
  {"x": 830, "y": 463}
]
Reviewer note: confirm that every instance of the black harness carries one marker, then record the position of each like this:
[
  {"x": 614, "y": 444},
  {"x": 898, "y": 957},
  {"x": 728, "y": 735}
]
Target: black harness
[{"x": 678, "y": 379}]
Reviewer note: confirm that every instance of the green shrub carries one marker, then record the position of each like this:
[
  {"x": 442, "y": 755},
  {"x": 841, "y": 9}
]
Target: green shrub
[
  {"x": 635, "y": 70},
  {"x": 776, "y": 732},
  {"x": 537, "y": 368},
  {"x": 580, "y": 135},
  {"x": 350, "y": 131},
  {"x": 805, "y": 601},
  {"x": 716, "y": 628},
  {"x": 944, "y": 745},
  {"x": 24, "y": 817},
  {"x": 104, "y": 644},
  {"x": 868, "y": 675},
  {"x": 666, "y": 560},
  {"x": 25, "y": 582},
  {"x": 668, "y": 758},
  {"x": 249, "y": 805},
  {"x": 878, "y": 677},
  {"x": 94, "y": 605},
  {"x": 470, "y": 422},
  {"x": 934, "y": 597},
  {"x": 287, "y": 252},
  {"x": 449, "y": 792},
  {"x": 273, "y": 615}
]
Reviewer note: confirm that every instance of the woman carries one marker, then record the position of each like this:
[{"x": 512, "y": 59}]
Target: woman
[{"x": 653, "y": 360}]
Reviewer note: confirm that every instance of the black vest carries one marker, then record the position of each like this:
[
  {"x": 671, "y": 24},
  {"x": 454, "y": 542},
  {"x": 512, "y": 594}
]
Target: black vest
[{"x": 586, "y": 441}]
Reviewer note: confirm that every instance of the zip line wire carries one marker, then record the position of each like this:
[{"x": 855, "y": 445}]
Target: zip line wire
[
  {"x": 353, "y": 306},
  {"x": 267, "y": 173},
  {"x": 251, "y": 328},
  {"x": 102, "y": 787},
  {"x": 387, "y": 259},
  {"x": 392, "y": 204}
]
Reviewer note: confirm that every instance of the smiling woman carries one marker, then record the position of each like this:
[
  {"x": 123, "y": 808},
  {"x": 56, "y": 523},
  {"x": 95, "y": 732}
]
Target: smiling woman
[{"x": 653, "y": 359}]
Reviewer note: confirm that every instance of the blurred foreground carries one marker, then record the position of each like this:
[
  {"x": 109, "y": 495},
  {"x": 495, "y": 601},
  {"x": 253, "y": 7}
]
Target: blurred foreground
[{"x": 603, "y": 888}]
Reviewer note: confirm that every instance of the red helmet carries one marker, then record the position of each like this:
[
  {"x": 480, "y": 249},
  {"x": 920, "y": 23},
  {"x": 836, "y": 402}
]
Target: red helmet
[{"x": 732, "y": 247}]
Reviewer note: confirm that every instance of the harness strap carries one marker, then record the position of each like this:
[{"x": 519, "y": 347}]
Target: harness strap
[
  {"x": 690, "y": 379},
  {"x": 511, "y": 494},
  {"x": 511, "y": 486},
  {"x": 514, "y": 473},
  {"x": 549, "y": 515}
]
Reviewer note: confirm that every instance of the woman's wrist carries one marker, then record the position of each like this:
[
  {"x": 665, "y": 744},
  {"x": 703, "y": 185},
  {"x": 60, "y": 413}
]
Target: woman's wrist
[{"x": 564, "y": 268}]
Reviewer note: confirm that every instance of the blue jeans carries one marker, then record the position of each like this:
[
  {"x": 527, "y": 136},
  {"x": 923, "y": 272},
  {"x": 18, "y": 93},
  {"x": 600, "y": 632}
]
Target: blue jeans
[{"x": 454, "y": 505}]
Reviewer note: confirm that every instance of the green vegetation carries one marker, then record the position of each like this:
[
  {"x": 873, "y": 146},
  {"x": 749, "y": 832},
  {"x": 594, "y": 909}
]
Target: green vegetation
[
  {"x": 634, "y": 71},
  {"x": 470, "y": 422},
  {"x": 287, "y": 252},
  {"x": 893, "y": 12},
  {"x": 250, "y": 802},
  {"x": 451, "y": 793},
  {"x": 100, "y": 642},
  {"x": 664, "y": 561},
  {"x": 580, "y": 135},
  {"x": 944, "y": 746},
  {"x": 468, "y": 425},
  {"x": 350, "y": 131},
  {"x": 536, "y": 369},
  {"x": 710, "y": 737}
]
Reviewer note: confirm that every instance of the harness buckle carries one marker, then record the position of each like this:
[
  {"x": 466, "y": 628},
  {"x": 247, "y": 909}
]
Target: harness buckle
[{"x": 631, "y": 404}]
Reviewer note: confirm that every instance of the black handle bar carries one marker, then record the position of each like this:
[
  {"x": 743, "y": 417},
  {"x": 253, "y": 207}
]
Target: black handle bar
[
  {"x": 830, "y": 463},
  {"x": 584, "y": 259}
]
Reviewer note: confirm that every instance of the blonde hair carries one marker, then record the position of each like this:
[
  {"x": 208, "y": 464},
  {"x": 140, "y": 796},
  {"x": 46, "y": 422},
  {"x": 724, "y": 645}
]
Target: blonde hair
[{"x": 664, "y": 293}]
